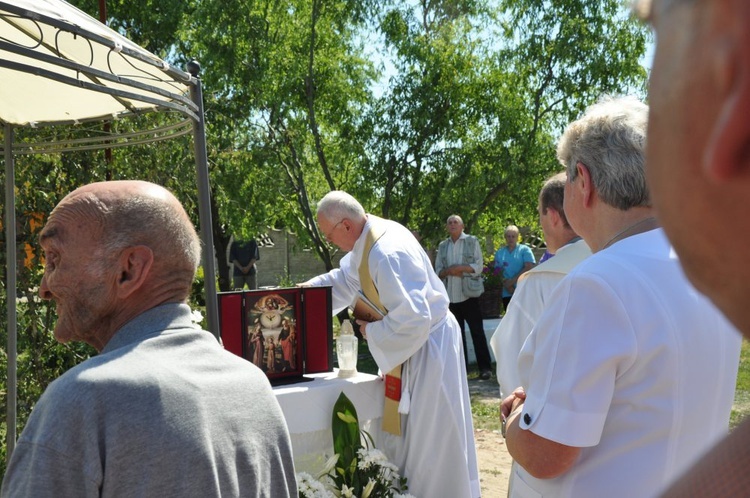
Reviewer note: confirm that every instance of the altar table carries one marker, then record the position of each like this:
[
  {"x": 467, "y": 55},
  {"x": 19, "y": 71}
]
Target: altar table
[{"x": 308, "y": 410}]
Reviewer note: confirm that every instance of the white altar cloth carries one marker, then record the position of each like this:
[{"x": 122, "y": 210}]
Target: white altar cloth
[{"x": 308, "y": 410}]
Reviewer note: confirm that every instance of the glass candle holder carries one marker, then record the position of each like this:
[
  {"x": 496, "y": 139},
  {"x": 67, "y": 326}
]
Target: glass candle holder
[{"x": 347, "y": 350}]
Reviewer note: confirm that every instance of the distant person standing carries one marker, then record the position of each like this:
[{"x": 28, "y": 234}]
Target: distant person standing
[
  {"x": 242, "y": 256},
  {"x": 459, "y": 257},
  {"x": 515, "y": 259}
]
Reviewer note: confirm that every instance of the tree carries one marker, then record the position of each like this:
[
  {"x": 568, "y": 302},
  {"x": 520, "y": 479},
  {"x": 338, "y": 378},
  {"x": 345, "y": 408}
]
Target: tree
[
  {"x": 468, "y": 122},
  {"x": 293, "y": 81}
]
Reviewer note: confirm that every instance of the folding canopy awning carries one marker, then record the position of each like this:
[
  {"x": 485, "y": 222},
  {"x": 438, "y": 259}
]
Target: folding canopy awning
[{"x": 60, "y": 66}]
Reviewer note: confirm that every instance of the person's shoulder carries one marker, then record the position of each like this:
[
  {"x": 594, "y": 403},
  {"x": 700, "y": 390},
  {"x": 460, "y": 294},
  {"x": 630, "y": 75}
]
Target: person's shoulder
[
  {"x": 71, "y": 390},
  {"x": 622, "y": 265}
]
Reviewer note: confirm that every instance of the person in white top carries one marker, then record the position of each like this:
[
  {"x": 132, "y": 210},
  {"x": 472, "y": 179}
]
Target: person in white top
[
  {"x": 613, "y": 368},
  {"x": 459, "y": 257},
  {"x": 436, "y": 449},
  {"x": 536, "y": 285}
]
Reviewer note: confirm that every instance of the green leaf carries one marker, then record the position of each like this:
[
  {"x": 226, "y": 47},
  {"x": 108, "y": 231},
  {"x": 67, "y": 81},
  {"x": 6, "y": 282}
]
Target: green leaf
[{"x": 345, "y": 431}]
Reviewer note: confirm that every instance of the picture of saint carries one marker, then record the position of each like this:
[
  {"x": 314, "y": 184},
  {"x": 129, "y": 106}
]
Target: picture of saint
[
  {"x": 257, "y": 345},
  {"x": 288, "y": 341},
  {"x": 270, "y": 356}
]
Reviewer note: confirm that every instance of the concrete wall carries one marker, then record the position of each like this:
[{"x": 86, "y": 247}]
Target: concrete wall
[{"x": 282, "y": 258}]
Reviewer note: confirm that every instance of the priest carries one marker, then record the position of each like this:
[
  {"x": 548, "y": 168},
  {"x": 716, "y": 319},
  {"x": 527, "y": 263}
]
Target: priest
[{"x": 428, "y": 430}]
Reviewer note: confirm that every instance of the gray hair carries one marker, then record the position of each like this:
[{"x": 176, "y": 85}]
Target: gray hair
[
  {"x": 337, "y": 205},
  {"x": 454, "y": 217},
  {"x": 610, "y": 139},
  {"x": 157, "y": 224},
  {"x": 512, "y": 229}
]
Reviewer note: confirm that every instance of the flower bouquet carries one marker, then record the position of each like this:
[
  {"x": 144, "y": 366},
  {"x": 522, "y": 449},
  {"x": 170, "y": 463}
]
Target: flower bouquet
[
  {"x": 356, "y": 470},
  {"x": 493, "y": 277}
]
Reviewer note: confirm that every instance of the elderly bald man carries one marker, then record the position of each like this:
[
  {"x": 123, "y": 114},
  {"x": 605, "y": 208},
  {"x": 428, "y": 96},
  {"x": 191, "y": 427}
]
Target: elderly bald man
[{"x": 163, "y": 410}]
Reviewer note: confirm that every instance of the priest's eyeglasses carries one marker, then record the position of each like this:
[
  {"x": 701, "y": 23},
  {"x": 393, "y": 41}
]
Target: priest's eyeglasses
[{"x": 330, "y": 233}]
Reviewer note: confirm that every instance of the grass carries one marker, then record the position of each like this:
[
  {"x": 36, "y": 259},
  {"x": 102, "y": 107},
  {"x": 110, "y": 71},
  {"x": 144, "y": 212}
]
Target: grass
[
  {"x": 741, "y": 408},
  {"x": 486, "y": 415}
]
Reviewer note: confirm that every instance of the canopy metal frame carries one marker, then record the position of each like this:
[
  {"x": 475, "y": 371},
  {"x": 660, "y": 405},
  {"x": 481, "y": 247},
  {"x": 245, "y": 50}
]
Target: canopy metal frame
[{"x": 160, "y": 88}]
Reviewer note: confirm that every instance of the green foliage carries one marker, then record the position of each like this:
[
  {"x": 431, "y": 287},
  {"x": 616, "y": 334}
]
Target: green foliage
[
  {"x": 418, "y": 109},
  {"x": 153, "y": 24},
  {"x": 346, "y": 441},
  {"x": 198, "y": 292},
  {"x": 741, "y": 407},
  {"x": 743, "y": 375},
  {"x": 286, "y": 280}
]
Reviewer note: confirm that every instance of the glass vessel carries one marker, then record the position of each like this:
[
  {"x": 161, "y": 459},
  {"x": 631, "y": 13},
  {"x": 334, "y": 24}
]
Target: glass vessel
[{"x": 346, "y": 350}]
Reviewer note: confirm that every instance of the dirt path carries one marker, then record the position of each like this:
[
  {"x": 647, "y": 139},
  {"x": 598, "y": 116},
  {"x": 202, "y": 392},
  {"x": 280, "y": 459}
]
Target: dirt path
[
  {"x": 493, "y": 457},
  {"x": 494, "y": 464}
]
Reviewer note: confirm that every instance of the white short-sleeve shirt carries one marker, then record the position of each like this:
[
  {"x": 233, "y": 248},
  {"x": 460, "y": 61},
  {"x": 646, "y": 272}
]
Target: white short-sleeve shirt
[{"x": 615, "y": 366}]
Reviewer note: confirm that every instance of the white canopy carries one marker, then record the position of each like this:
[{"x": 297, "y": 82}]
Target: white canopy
[
  {"x": 60, "y": 66},
  {"x": 57, "y": 64}
]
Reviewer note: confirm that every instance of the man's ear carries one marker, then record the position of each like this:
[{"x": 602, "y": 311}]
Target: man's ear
[
  {"x": 585, "y": 185},
  {"x": 727, "y": 154},
  {"x": 554, "y": 215},
  {"x": 135, "y": 264}
]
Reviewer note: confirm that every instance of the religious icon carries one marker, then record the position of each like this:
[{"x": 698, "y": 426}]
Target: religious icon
[
  {"x": 286, "y": 332},
  {"x": 271, "y": 331}
]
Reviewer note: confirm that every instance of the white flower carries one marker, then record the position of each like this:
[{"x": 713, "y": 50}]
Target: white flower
[
  {"x": 369, "y": 457},
  {"x": 310, "y": 488},
  {"x": 328, "y": 481},
  {"x": 329, "y": 466},
  {"x": 368, "y": 489},
  {"x": 347, "y": 492},
  {"x": 389, "y": 472}
]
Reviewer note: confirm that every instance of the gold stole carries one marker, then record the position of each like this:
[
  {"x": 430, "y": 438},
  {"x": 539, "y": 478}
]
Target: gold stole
[{"x": 391, "y": 417}]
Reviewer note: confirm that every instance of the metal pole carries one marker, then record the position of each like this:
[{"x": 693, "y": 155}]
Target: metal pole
[
  {"x": 10, "y": 289},
  {"x": 204, "y": 202}
]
